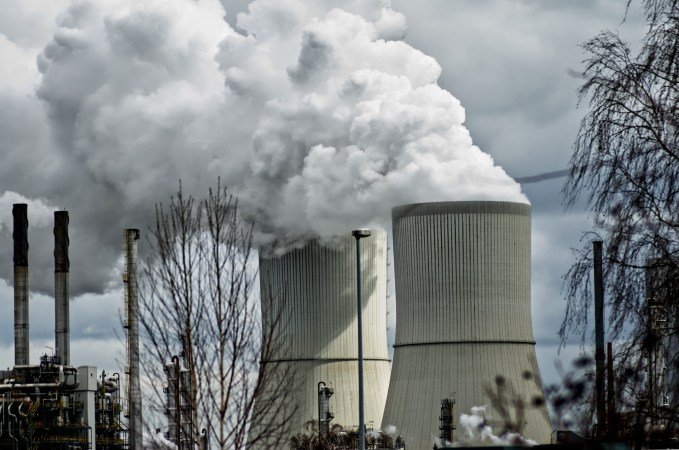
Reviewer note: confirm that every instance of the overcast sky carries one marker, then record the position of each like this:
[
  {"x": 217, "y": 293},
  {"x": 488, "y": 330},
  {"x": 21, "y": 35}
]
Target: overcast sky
[{"x": 104, "y": 105}]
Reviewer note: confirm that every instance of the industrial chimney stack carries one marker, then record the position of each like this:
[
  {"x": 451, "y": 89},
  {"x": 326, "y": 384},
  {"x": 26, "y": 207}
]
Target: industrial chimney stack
[
  {"x": 132, "y": 329},
  {"x": 62, "y": 326},
  {"x": 21, "y": 325}
]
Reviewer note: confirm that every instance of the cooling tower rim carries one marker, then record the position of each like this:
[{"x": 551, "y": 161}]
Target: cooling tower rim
[
  {"x": 274, "y": 250},
  {"x": 460, "y": 207}
]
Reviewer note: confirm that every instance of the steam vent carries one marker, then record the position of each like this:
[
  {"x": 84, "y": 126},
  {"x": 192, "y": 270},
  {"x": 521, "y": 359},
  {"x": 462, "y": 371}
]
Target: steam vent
[
  {"x": 463, "y": 320},
  {"x": 313, "y": 292}
]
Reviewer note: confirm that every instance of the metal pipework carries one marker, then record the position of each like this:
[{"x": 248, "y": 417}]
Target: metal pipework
[
  {"x": 132, "y": 313},
  {"x": 62, "y": 328},
  {"x": 324, "y": 414},
  {"x": 21, "y": 323}
]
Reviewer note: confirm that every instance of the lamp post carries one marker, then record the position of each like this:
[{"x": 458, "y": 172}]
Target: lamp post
[{"x": 359, "y": 234}]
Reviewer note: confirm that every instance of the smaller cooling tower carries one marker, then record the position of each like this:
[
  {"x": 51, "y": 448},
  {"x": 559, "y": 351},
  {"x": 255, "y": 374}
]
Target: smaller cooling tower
[
  {"x": 463, "y": 320},
  {"x": 312, "y": 292}
]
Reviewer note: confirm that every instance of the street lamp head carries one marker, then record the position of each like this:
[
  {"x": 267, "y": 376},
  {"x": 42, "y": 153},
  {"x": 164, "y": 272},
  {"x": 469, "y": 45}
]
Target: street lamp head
[{"x": 361, "y": 233}]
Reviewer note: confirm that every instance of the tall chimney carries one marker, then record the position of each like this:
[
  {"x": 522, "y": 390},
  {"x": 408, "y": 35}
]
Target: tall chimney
[
  {"x": 20, "y": 235},
  {"x": 599, "y": 356},
  {"x": 132, "y": 328},
  {"x": 62, "y": 327}
]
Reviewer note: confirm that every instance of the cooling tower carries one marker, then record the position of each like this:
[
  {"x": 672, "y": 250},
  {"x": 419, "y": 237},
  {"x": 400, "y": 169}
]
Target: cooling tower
[
  {"x": 314, "y": 298},
  {"x": 463, "y": 320}
]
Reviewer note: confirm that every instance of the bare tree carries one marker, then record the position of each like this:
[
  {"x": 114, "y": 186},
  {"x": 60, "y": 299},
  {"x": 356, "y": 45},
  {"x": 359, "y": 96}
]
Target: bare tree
[
  {"x": 339, "y": 437},
  {"x": 199, "y": 302},
  {"x": 626, "y": 166}
]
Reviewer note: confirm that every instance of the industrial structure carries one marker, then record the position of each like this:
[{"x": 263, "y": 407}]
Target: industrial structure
[
  {"x": 133, "y": 406},
  {"x": 313, "y": 294},
  {"x": 179, "y": 410},
  {"x": 462, "y": 273},
  {"x": 54, "y": 405},
  {"x": 661, "y": 323}
]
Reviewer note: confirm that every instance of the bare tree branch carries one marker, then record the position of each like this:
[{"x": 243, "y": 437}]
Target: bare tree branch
[
  {"x": 199, "y": 301},
  {"x": 626, "y": 165}
]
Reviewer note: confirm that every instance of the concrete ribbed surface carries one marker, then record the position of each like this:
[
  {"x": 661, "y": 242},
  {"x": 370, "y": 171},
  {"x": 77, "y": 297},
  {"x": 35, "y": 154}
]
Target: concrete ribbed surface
[
  {"x": 463, "y": 315},
  {"x": 314, "y": 292}
]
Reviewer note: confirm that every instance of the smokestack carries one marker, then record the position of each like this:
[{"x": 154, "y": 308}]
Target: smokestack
[
  {"x": 21, "y": 326},
  {"x": 612, "y": 419},
  {"x": 62, "y": 328},
  {"x": 132, "y": 329},
  {"x": 599, "y": 356}
]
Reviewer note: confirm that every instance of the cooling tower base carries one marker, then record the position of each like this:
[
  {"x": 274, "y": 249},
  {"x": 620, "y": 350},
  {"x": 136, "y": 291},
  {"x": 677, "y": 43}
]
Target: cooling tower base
[
  {"x": 302, "y": 382},
  {"x": 495, "y": 375}
]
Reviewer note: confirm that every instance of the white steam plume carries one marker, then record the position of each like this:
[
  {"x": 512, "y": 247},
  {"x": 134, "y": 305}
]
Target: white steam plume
[
  {"x": 476, "y": 431},
  {"x": 317, "y": 114}
]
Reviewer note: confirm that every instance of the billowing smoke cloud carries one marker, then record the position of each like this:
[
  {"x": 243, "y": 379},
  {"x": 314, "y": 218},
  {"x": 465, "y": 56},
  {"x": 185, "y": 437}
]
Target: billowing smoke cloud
[{"x": 316, "y": 114}]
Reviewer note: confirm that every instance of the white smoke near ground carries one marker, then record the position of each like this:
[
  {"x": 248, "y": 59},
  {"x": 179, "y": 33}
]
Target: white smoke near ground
[
  {"x": 391, "y": 431},
  {"x": 316, "y": 114},
  {"x": 159, "y": 442},
  {"x": 477, "y": 432}
]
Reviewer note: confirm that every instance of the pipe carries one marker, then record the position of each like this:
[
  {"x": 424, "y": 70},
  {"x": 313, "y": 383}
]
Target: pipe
[
  {"x": 63, "y": 381},
  {"x": 62, "y": 329},
  {"x": 177, "y": 402},
  {"x": 21, "y": 323},
  {"x": 599, "y": 339},
  {"x": 132, "y": 310},
  {"x": 358, "y": 234},
  {"x": 9, "y": 422},
  {"x": 21, "y": 386},
  {"x": 612, "y": 420}
]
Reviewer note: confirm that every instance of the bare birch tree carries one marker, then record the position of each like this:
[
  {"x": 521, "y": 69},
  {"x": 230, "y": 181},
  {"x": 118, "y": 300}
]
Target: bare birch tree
[
  {"x": 199, "y": 301},
  {"x": 626, "y": 166}
]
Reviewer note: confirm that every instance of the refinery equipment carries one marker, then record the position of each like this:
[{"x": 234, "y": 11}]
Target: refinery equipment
[
  {"x": 446, "y": 420},
  {"x": 311, "y": 293},
  {"x": 54, "y": 405},
  {"x": 661, "y": 292},
  {"x": 133, "y": 385},
  {"x": 462, "y": 273},
  {"x": 179, "y": 410},
  {"x": 324, "y": 413}
]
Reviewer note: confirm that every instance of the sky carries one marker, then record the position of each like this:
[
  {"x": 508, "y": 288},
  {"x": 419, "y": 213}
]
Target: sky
[{"x": 319, "y": 119}]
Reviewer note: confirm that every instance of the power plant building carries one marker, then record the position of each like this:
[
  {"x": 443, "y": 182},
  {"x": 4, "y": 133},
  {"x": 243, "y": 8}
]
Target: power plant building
[
  {"x": 464, "y": 327},
  {"x": 313, "y": 292},
  {"x": 54, "y": 405}
]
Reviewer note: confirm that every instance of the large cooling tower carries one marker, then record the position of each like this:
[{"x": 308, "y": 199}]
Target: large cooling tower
[
  {"x": 463, "y": 320},
  {"x": 313, "y": 294}
]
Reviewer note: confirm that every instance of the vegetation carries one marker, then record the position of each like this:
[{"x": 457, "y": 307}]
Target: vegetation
[
  {"x": 625, "y": 166},
  {"x": 199, "y": 302},
  {"x": 340, "y": 438}
]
